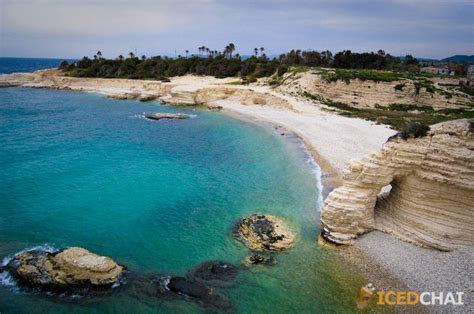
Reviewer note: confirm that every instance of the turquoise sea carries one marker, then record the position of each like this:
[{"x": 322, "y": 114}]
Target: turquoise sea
[{"x": 78, "y": 169}]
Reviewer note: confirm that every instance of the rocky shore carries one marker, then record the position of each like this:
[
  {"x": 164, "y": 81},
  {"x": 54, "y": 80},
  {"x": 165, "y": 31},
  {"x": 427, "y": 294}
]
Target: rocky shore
[{"x": 333, "y": 141}]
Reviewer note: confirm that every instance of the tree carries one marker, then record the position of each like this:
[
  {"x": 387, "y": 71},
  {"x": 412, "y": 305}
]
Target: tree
[
  {"x": 381, "y": 53},
  {"x": 256, "y": 51},
  {"x": 120, "y": 57},
  {"x": 63, "y": 65},
  {"x": 143, "y": 57},
  {"x": 99, "y": 54},
  {"x": 131, "y": 55},
  {"x": 410, "y": 60},
  {"x": 231, "y": 49},
  {"x": 262, "y": 50},
  {"x": 187, "y": 51}
]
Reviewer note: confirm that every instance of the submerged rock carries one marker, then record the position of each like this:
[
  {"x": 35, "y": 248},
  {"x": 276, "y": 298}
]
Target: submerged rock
[
  {"x": 264, "y": 233},
  {"x": 164, "y": 286},
  {"x": 159, "y": 116},
  {"x": 214, "y": 272},
  {"x": 64, "y": 270}
]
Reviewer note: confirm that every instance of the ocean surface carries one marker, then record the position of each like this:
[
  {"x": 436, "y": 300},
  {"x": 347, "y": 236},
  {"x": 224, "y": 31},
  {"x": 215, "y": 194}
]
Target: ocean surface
[
  {"x": 11, "y": 65},
  {"x": 78, "y": 169}
]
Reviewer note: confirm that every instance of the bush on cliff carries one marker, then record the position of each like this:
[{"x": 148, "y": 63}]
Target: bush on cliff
[{"x": 414, "y": 129}]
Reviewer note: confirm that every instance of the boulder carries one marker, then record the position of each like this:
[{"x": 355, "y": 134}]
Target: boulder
[{"x": 264, "y": 233}]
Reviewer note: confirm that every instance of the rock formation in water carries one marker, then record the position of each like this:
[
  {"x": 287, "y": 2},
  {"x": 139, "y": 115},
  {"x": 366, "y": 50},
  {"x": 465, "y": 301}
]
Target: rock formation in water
[
  {"x": 64, "y": 270},
  {"x": 264, "y": 233},
  {"x": 431, "y": 201},
  {"x": 159, "y": 116}
]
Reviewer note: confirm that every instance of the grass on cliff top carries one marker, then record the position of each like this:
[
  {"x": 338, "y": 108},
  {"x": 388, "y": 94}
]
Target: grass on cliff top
[
  {"x": 333, "y": 75},
  {"x": 395, "y": 115}
]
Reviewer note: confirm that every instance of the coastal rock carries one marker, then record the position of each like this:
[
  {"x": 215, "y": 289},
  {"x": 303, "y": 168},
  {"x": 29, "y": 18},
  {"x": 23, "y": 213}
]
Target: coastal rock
[
  {"x": 147, "y": 97},
  {"x": 60, "y": 270},
  {"x": 264, "y": 233},
  {"x": 159, "y": 116},
  {"x": 432, "y": 190}
]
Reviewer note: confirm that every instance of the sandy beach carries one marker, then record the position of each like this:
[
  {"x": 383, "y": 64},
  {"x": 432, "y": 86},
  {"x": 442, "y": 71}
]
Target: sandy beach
[{"x": 330, "y": 138}]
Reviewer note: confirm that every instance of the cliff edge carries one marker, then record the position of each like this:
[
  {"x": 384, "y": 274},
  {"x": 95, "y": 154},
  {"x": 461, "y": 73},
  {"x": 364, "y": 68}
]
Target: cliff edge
[{"x": 431, "y": 190}]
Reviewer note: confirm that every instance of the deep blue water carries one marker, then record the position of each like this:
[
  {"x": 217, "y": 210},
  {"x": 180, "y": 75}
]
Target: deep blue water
[
  {"x": 78, "y": 169},
  {"x": 11, "y": 65}
]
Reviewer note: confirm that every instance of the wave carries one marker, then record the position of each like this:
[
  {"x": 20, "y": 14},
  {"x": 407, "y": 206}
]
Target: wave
[{"x": 316, "y": 169}]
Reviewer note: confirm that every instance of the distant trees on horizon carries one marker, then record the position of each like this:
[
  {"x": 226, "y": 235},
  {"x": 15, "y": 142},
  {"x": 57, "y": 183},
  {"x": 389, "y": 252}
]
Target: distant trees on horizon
[{"x": 225, "y": 63}]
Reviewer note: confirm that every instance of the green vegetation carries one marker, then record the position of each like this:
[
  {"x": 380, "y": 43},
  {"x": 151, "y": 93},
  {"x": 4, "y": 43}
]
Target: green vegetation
[
  {"x": 413, "y": 129},
  {"x": 466, "y": 89},
  {"x": 227, "y": 64},
  {"x": 396, "y": 115}
]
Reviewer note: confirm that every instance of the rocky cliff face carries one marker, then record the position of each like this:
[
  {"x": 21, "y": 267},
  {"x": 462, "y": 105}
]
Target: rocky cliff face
[
  {"x": 431, "y": 201},
  {"x": 366, "y": 93}
]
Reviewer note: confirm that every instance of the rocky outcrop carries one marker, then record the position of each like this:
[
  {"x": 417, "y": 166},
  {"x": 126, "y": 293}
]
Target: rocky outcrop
[
  {"x": 264, "y": 233},
  {"x": 63, "y": 270},
  {"x": 159, "y": 116},
  {"x": 432, "y": 191}
]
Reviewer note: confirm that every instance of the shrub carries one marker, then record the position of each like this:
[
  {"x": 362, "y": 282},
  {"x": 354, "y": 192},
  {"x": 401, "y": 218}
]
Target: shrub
[
  {"x": 414, "y": 129},
  {"x": 63, "y": 65},
  {"x": 282, "y": 69},
  {"x": 399, "y": 87}
]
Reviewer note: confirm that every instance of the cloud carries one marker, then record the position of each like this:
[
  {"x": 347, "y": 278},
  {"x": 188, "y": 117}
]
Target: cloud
[{"x": 74, "y": 28}]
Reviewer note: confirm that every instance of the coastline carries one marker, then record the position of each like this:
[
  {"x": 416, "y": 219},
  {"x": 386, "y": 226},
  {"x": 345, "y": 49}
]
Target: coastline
[{"x": 330, "y": 139}]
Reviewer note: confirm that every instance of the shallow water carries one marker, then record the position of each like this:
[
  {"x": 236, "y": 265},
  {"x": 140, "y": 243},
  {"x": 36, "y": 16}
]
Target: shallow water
[{"x": 158, "y": 196}]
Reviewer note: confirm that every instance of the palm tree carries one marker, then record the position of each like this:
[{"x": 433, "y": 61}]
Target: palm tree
[
  {"x": 95, "y": 57},
  {"x": 120, "y": 57},
  {"x": 131, "y": 55},
  {"x": 99, "y": 54},
  {"x": 187, "y": 51},
  {"x": 262, "y": 50},
  {"x": 226, "y": 50},
  {"x": 256, "y": 52},
  {"x": 207, "y": 51},
  {"x": 231, "y": 49},
  {"x": 143, "y": 57}
]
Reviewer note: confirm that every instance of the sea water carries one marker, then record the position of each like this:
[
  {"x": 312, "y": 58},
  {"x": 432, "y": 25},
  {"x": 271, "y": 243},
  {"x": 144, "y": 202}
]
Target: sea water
[{"x": 79, "y": 169}]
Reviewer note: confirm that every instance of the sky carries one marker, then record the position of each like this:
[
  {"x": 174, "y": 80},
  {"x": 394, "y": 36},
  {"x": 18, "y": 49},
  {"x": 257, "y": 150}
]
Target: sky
[{"x": 72, "y": 29}]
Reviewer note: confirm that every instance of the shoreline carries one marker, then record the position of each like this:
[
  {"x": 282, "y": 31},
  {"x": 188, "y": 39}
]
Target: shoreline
[{"x": 330, "y": 139}]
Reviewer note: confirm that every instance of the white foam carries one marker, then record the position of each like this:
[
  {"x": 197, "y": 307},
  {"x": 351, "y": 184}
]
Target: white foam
[
  {"x": 6, "y": 279},
  {"x": 317, "y": 173}
]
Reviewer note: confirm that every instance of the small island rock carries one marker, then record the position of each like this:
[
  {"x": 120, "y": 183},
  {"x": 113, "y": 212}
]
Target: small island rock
[
  {"x": 59, "y": 270},
  {"x": 264, "y": 233},
  {"x": 159, "y": 116}
]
